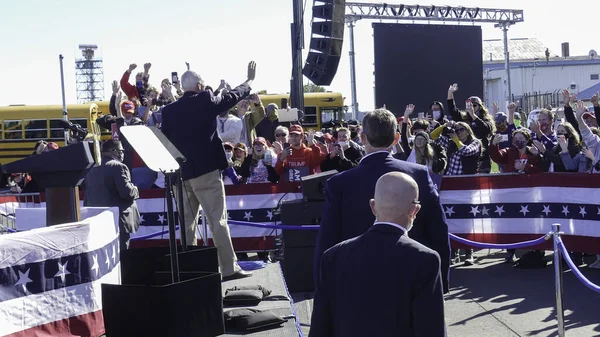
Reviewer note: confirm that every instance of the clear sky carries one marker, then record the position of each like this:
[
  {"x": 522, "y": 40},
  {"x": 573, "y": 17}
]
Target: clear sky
[{"x": 218, "y": 38}]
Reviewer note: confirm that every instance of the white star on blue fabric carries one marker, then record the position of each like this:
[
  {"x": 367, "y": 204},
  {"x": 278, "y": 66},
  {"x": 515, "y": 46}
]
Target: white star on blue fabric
[
  {"x": 114, "y": 254},
  {"x": 23, "y": 280},
  {"x": 474, "y": 210},
  {"x": 546, "y": 210},
  {"x": 500, "y": 210},
  {"x": 161, "y": 218},
  {"x": 565, "y": 210},
  {"x": 449, "y": 211},
  {"x": 270, "y": 215},
  {"x": 141, "y": 219},
  {"x": 582, "y": 211},
  {"x": 95, "y": 266},
  {"x": 524, "y": 210},
  {"x": 485, "y": 211},
  {"x": 62, "y": 271},
  {"x": 107, "y": 259},
  {"x": 248, "y": 215}
]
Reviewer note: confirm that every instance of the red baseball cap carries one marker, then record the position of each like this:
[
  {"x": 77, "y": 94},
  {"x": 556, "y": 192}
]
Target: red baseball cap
[
  {"x": 128, "y": 106},
  {"x": 297, "y": 129}
]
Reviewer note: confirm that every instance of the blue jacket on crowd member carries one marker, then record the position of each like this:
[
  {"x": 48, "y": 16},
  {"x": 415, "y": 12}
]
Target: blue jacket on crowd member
[
  {"x": 190, "y": 123},
  {"x": 347, "y": 214}
]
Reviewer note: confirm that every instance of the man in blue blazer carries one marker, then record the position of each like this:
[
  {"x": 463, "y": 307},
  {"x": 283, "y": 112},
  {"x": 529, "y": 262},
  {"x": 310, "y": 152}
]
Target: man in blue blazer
[
  {"x": 346, "y": 212},
  {"x": 190, "y": 124},
  {"x": 381, "y": 283}
]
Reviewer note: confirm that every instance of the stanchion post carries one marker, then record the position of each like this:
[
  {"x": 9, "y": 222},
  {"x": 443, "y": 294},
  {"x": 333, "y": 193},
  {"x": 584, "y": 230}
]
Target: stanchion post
[
  {"x": 560, "y": 314},
  {"x": 205, "y": 229}
]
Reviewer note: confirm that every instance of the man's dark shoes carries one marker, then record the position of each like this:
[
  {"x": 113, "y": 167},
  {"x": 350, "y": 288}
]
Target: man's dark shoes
[{"x": 237, "y": 275}]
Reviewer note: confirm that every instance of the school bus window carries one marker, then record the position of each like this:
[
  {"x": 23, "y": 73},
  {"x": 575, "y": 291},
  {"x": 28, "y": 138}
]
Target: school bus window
[
  {"x": 310, "y": 116},
  {"x": 13, "y": 129},
  {"x": 36, "y": 129},
  {"x": 80, "y": 121},
  {"x": 56, "y": 131},
  {"x": 327, "y": 115}
]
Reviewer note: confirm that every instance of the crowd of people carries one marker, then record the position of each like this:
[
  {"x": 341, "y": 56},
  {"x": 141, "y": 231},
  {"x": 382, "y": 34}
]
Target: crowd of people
[{"x": 447, "y": 139}]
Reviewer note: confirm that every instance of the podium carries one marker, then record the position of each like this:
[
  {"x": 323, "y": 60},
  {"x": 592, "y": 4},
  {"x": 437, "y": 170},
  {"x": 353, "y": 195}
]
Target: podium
[{"x": 59, "y": 173}]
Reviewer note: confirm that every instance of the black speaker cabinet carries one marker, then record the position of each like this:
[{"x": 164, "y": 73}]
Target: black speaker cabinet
[
  {"x": 147, "y": 303},
  {"x": 313, "y": 186},
  {"x": 325, "y": 42},
  {"x": 299, "y": 246}
]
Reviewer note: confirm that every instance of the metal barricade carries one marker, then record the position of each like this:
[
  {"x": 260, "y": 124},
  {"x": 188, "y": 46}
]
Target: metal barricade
[{"x": 9, "y": 202}]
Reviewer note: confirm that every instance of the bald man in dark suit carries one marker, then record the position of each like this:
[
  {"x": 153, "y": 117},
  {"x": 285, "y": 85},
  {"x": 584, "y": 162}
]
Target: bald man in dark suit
[{"x": 381, "y": 283}]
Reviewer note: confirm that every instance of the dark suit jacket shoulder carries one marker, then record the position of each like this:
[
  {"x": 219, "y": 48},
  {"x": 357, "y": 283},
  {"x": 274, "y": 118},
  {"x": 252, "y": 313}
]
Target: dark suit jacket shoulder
[
  {"x": 109, "y": 185},
  {"x": 346, "y": 213},
  {"x": 190, "y": 123},
  {"x": 380, "y": 279}
]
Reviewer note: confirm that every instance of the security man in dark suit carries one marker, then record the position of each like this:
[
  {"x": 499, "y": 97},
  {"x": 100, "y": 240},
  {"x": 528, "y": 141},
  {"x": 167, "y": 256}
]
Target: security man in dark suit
[
  {"x": 190, "y": 124},
  {"x": 109, "y": 185},
  {"x": 381, "y": 283},
  {"x": 346, "y": 213}
]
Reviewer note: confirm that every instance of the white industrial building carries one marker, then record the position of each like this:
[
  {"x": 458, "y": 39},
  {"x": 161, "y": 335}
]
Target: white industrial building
[{"x": 538, "y": 76}]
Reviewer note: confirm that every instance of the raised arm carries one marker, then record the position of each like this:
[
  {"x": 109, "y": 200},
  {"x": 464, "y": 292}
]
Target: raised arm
[{"x": 456, "y": 114}]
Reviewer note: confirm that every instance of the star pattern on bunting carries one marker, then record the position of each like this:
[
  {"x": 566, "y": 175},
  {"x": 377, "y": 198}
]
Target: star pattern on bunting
[
  {"x": 62, "y": 271},
  {"x": 107, "y": 259},
  {"x": 248, "y": 215},
  {"x": 161, "y": 219},
  {"x": 95, "y": 266},
  {"x": 524, "y": 210},
  {"x": 23, "y": 280},
  {"x": 582, "y": 211},
  {"x": 449, "y": 211},
  {"x": 270, "y": 215},
  {"x": 475, "y": 210},
  {"x": 546, "y": 210},
  {"x": 520, "y": 210}
]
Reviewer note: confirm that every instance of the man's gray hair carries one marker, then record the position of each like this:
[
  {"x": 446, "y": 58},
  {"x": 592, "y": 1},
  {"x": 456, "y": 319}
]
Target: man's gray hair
[
  {"x": 380, "y": 126},
  {"x": 190, "y": 80},
  {"x": 282, "y": 128}
]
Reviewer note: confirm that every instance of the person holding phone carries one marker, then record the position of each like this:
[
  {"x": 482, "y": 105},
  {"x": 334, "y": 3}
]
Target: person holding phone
[
  {"x": 298, "y": 160},
  {"x": 343, "y": 154}
]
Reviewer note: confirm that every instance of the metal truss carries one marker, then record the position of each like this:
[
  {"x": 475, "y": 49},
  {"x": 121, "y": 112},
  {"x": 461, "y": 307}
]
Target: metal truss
[{"x": 357, "y": 11}]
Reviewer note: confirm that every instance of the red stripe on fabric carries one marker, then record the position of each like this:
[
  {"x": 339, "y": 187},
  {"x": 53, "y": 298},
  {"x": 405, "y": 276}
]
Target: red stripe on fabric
[
  {"x": 239, "y": 244},
  {"x": 91, "y": 324},
  {"x": 574, "y": 243},
  {"x": 501, "y": 181}
]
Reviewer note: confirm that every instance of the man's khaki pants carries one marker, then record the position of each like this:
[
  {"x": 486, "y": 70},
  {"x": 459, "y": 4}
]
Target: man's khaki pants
[{"x": 208, "y": 191}]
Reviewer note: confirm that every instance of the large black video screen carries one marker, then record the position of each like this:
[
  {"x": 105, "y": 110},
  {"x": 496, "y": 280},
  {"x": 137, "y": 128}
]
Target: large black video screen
[{"x": 416, "y": 63}]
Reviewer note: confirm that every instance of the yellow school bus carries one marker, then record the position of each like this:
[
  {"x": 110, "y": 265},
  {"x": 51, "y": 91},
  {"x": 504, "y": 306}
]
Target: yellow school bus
[
  {"x": 319, "y": 107},
  {"x": 23, "y": 126}
]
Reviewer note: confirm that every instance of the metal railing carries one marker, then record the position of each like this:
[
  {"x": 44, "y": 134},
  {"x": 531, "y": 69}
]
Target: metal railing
[{"x": 9, "y": 202}]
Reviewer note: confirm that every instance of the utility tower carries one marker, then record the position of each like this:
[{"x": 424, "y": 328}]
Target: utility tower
[{"x": 90, "y": 75}]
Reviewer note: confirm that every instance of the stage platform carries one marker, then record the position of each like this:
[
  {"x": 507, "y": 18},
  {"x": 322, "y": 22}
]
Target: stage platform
[{"x": 270, "y": 277}]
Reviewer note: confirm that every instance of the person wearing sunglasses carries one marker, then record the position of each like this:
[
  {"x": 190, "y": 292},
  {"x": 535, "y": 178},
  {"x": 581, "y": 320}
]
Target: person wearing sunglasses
[
  {"x": 464, "y": 152},
  {"x": 480, "y": 121}
]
